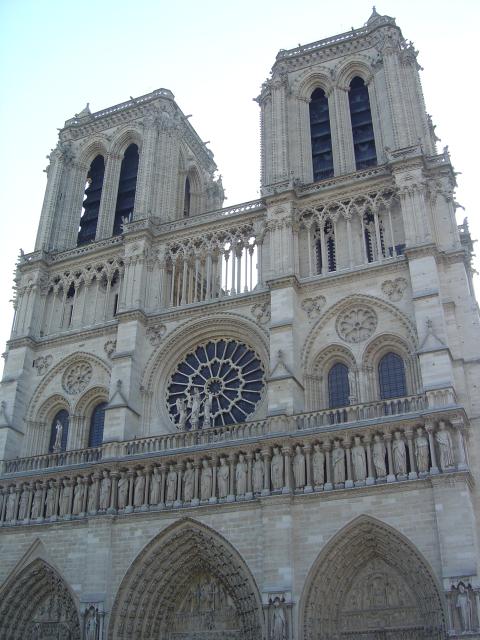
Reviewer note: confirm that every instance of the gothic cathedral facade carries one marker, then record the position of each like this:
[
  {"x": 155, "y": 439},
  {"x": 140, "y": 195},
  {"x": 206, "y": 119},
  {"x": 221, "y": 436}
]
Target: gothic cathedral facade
[{"x": 256, "y": 422}]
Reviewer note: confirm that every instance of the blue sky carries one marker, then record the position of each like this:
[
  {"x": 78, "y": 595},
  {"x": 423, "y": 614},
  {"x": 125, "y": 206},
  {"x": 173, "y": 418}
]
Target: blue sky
[{"x": 57, "y": 56}]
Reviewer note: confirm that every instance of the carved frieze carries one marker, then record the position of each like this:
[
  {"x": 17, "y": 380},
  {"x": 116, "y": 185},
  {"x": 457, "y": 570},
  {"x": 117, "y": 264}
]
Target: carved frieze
[
  {"x": 261, "y": 312},
  {"x": 394, "y": 289},
  {"x": 313, "y": 306},
  {"x": 155, "y": 334},
  {"x": 109, "y": 347},
  {"x": 42, "y": 364}
]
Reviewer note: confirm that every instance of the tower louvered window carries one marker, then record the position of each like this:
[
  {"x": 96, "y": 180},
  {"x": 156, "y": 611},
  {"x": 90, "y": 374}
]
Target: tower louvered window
[
  {"x": 321, "y": 137},
  {"x": 97, "y": 421},
  {"x": 338, "y": 386},
  {"x": 126, "y": 188},
  {"x": 362, "y": 127},
  {"x": 91, "y": 203}
]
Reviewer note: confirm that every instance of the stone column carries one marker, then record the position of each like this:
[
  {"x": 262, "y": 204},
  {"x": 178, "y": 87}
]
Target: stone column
[
  {"x": 131, "y": 483},
  {"x": 348, "y": 458},
  {"x": 343, "y": 130},
  {"x": 148, "y": 478},
  {"x": 213, "y": 498},
  {"x": 231, "y": 485},
  {"x": 85, "y": 495},
  {"x": 391, "y": 477},
  {"x": 146, "y": 169},
  {"x": 114, "y": 475},
  {"x": 57, "y": 500},
  {"x": 44, "y": 497},
  {"x": 327, "y": 447},
  {"x": 249, "y": 493},
  {"x": 429, "y": 426},
  {"x": 31, "y": 489},
  {"x": 178, "y": 501},
  {"x": 196, "y": 465},
  {"x": 4, "y": 494},
  {"x": 459, "y": 427},
  {"x": 266, "y": 455},
  {"x": 411, "y": 454},
  {"x": 306, "y": 450},
  {"x": 163, "y": 472},
  {"x": 370, "y": 472},
  {"x": 106, "y": 214},
  {"x": 287, "y": 488}
]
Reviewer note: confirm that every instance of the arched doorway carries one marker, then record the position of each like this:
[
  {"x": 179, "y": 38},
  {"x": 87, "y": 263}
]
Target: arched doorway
[
  {"x": 188, "y": 582},
  {"x": 370, "y": 583},
  {"x": 38, "y": 605}
]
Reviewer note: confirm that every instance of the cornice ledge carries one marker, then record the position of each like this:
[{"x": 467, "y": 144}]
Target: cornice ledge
[{"x": 281, "y": 282}]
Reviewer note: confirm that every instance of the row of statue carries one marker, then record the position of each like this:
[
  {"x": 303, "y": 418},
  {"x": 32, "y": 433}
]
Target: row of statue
[{"x": 238, "y": 476}]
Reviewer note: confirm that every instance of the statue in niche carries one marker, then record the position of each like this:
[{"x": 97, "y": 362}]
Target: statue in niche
[
  {"x": 445, "y": 446},
  {"x": 50, "y": 499},
  {"x": 207, "y": 411},
  {"x": 358, "y": 459},
  {"x": 182, "y": 413},
  {"x": 171, "y": 484},
  {"x": 421, "y": 451},
  {"x": 379, "y": 452},
  {"x": 23, "y": 504},
  {"x": 241, "y": 475},
  {"x": 277, "y": 469},
  {"x": 188, "y": 482},
  {"x": 66, "y": 498},
  {"x": 279, "y": 622},
  {"x": 299, "y": 468},
  {"x": 195, "y": 402},
  {"x": 139, "y": 489},
  {"x": 37, "y": 506},
  {"x": 11, "y": 500},
  {"x": 352, "y": 384},
  {"x": 105, "y": 487},
  {"x": 399, "y": 454},
  {"x": 223, "y": 475},
  {"x": 78, "y": 493},
  {"x": 122, "y": 490},
  {"x": 258, "y": 473},
  {"x": 57, "y": 445},
  {"x": 464, "y": 608},
  {"x": 338, "y": 461},
  {"x": 318, "y": 464},
  {"x": 91, "y": 624},
  {"x": 155, "y": 486},
  {"x": 206, "y": 481}
]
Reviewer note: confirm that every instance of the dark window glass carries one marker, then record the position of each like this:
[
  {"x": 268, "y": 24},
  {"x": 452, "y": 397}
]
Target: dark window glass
[
  {"x": 338, "y": 386},
  {"x": 97, "y": 421},
  {"x": 186, "y": 199},
  {"x": 321, "y": 137},
  {"x": 63, "y": 418},
  {"x": 126, "y": 188},
  {"x": 91, "y": 202},
  {"x": 362, "y": 127},
  {"x": 391, "y": 375}
]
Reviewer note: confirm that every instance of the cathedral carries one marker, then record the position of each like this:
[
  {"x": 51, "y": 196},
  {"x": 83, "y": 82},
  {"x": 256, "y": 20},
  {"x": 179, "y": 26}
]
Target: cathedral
[{"x": 256, "y": 422}]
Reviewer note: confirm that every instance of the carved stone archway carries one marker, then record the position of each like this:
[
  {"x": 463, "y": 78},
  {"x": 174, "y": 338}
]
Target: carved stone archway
[
  {"x": 370, "y": 583},
  {"x": 36, "y": 604},
  {"x": 188, "y": 582}
]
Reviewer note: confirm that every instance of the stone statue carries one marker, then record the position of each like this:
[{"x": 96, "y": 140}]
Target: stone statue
[
  {"x": 223, "y": 475},
  {"x": 122, "y": 498},
  {"x": 78, "y": 494},
  {"x": 50, "y": 500},
  {"x": 91, "y": 624},
  {"x": 139, "y": 489},
  {"x": 318, "y": 464},
  {"x": 171, "y": 484},
  {"x": 277, "y": 469},
  {"x": 195, "y": 403},
  {"x": 421, "y": 451},
  {"x": 37, "y": 506},
  {"x": 188, "y": 482},
  {"x": 445, "y": 446},
  {"x": 57, "y": 445},
  {"x": 10, "y": 510},
  {"x": 241, "y": 475},
  {"x": 338, "y": 461},
  {"x": 464, "y": 607},
  {"x": 23, "y": 504},
  {"x": 399, "y": 453},
  {"x": 279, "y": 623},
  {"x": 206, "y": 481},
  {"x": 207, "y": 411},
  {"x": 66, "y": 498},
  {"x": 155, "y": 488},
  {"x": 379, "y": 452},
  {"x": 258, "y": 473},
  {"x": 358, "y": 460},
  {"x": 299, "y": 468},
  {"x": 182, "y": 413},
  {"x": 105, "y": 487},
  {"x": 93, "y": 497}
]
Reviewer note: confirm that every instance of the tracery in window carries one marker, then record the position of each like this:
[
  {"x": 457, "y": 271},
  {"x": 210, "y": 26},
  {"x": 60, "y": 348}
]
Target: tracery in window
[
  {"x": 338, "y": 386},
  {"x": 126, "y": 188},
  {"x": 373, "y": 236},
  {"x": 59, "y": 432},
  {"x": 97, "y": 421},
  {"x": 391, "y": 376},
  {"x": 325, "y": 247},
  {"x": 362, "y": 126},
  {"x": 321, "y": 137},
  {"x": 91, "y": 202}
]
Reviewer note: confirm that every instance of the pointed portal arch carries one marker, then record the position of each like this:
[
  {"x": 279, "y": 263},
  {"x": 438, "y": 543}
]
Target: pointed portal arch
[
  {"x": 188, "y": 582},
  {"x": 371, "y": 582},
  {"x": 37, "y": 603}
]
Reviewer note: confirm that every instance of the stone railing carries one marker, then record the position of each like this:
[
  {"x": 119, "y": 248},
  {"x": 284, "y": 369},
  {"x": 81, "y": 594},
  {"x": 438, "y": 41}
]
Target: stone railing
[
  {"x": 61, "y": 459},
  {"x": 294, "y": 463}
]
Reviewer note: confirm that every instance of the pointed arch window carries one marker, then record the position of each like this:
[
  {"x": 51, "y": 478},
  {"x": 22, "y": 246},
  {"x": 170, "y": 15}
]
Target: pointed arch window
[
  {"x": 391, "y": 376},
  {"x": 338, "y": 386},
  {"x": 63, "y": 419},
  {"x": 97, "y": 422},
  {"x": 91, "y": 202},
  {"x": 370, "y": 235},
  {"x": 325, "y": 248},
  {"x": 126, "y": 188},
  {"x": 362, "y": 126},
  {"x": 187, "y": 198},
  {"x": 321, "y": 136}
]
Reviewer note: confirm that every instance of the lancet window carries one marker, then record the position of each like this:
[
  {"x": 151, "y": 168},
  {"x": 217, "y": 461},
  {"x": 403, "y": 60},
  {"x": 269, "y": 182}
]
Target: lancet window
[
  {"x": 126, "y": 188},
  {"x": 321, "y": 137},
  {"x": 59, "y": 431},
  {"x": 374, "y": 233},
  {"x": 338, "y": 386},
  {"x": 91, "y": 202},
  {"x": 391, "y": 376},
  {"x": 362, "y": 126},
  {"x": 97, "y": 421},
  {"x": 325, "y": 247}
]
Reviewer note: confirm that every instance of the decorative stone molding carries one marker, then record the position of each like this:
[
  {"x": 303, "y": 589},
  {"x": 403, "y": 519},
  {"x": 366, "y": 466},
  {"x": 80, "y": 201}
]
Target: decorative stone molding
[
  {"x": 155, "y": 333},
  {"x": 261, "y": 312},
  {"x": 76, "y": 377},
  {"x": 42, "y": 363},
  {"x": 313, "y": 306},
  {"x": 109, "y": 347},
  {"x": 394, "y": 289},
  {"x": 357, "y": 324}
]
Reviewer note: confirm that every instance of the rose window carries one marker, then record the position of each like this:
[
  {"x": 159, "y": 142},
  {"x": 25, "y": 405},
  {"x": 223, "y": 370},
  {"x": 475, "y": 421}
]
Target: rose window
[
  {"x": 356, "y": 325},
  {"x": 218, "y": 383},
  {"x": 77, "y": 377}
]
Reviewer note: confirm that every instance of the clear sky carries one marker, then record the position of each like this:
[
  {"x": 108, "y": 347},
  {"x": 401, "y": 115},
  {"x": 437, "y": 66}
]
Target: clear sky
[{"x": 57, "y": 55}]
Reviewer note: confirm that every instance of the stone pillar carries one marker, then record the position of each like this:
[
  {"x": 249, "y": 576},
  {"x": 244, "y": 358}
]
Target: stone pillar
[
  {"x": 146, "y": 170},
  {"x": 370, "y": 472},
  {"x": 231, "y": 485},
  {"x": 213, "y": 497},
  {"x": 348, "y": 457},
  {"x": 411, "y": 454},
  {"x": 306, "y": 450},
  {"x": 327, "y": 447},
  {"x": 196, "y": 465},
  {"x": 266, "y": 455},
  {"x": 55, "y": 172},
  {"x": 106, "y": 214},
  {"x": 429, "y": 426},
  {"x": 178, "y": 501},
  {"x": 287, "y": 474},
  {"x": 249, "y": 493},
  {"x": 114, "y": 476},
  {"x": 343, "y": 130},
  {"x": 391, "y": 477},
  {"x": 459, "y": 427}
]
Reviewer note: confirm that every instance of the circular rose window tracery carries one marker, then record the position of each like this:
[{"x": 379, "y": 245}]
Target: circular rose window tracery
[{"x": 219, "y": 383}]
